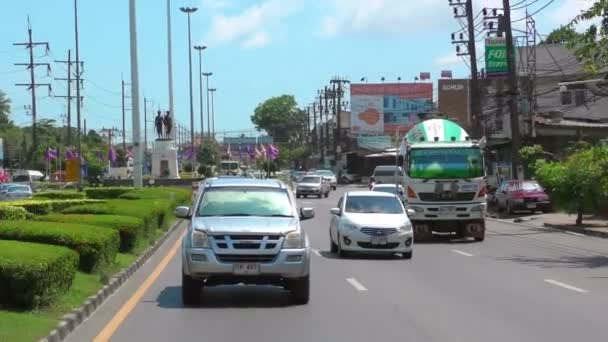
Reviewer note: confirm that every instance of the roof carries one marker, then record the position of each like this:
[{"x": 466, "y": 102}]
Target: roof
[
  {"x": 384, "y": 185},
  {"x": 245, "y": 182},
  {"x": 369, "y": 193},
  {"x": 569, "y": 123},
  {"x": 551, "y": 60}
]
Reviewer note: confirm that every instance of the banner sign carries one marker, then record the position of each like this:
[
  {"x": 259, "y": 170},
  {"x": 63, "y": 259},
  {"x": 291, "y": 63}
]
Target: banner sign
[
  {"x": 71, "y": 170},
  {"x": 496, "y": 57}
]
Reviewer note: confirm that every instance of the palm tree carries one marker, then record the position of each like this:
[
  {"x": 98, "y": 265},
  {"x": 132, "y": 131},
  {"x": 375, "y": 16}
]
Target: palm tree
[{"x": 5, "y": 108}]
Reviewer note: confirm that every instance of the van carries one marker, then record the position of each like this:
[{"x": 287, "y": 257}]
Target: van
[
  {"x": 29, "y": 177},
  {"x": 388, "y": 174}
]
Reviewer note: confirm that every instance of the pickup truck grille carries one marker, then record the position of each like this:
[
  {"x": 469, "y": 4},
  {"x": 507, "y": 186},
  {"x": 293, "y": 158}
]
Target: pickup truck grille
[
  {"x": 246, "y": 243},
  {"x": 446, "y": 196},
  {"x": 378, "y": 231}
]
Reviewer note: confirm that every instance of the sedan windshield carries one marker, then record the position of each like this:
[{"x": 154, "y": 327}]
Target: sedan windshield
[
  {"x": 245, "y": 202},
  {"x": 310, "y": 180},
  {"x": 373, "y": 205}
]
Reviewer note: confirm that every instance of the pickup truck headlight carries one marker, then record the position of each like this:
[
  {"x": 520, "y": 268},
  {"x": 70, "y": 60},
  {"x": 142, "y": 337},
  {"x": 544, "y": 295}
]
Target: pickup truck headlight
[
  {"x": 477, "y": 208},
  {"x": 199, "y": 239},
  {"x": 294, "y": 240}
]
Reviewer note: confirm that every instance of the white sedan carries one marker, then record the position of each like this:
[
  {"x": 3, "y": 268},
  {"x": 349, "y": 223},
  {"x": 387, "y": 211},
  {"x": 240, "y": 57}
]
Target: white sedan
[{"x": 371, "y": 222}]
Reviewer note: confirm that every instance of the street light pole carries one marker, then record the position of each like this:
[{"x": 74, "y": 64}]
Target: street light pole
[
  {"x": 207, "y": 74},
  {"x": 188, "y": 11},
  {"x": 138, "y": 151},
  {"x": 213, "y": 90},
  {"x": 170, "y": 67},
  {"x": 200, "y": 80}
]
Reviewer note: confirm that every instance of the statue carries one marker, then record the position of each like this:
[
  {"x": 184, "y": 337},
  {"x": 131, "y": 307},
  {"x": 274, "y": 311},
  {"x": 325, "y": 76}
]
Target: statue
[
  {"x": 168, "y": 125},
  {"x": 158, "y": 123}
]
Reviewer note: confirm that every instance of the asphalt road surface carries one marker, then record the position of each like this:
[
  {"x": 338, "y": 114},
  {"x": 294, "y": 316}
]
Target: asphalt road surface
[{"x": 521, "y": 284}]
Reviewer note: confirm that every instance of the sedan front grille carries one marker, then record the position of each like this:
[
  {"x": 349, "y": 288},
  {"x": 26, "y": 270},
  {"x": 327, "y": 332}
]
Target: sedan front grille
[
  {"x": 390, "y": 245},
  {"x": 378, "y": 231}
]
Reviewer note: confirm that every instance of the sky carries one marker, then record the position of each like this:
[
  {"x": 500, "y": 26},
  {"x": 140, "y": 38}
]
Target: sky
[{"x": 256, "y": 49}]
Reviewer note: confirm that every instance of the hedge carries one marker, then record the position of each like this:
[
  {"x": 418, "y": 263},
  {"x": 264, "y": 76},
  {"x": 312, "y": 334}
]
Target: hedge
[
  {"x": 106, "y": 193},
  {"x": 60, "y": 195},
  {"x": 96, "y": 246},
  {"x": 12, "y": 213},
  {"x": 130, "y": 229},
  {"x": 88, "y": 209},
  {"x": 44, "y": 207},
  {"x": 130, "y": 196},
  {"x": 32, "y": 274}
]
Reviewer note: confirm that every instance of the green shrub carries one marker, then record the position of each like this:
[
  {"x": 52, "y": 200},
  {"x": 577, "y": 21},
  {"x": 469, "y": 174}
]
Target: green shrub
[
  {"x": 130, "y": 229},
  {"x": 106, "y": 193},
  {"x": 44, "y": 207},
  {"x": 96, "y": 246},
  {"x": 33, "y": 274},
  {"x": 88, "y": 209},
  {"x": 130, "y": 196},
  {"x": 59, "y": 195},
  {"x": 12, "y": 213}
]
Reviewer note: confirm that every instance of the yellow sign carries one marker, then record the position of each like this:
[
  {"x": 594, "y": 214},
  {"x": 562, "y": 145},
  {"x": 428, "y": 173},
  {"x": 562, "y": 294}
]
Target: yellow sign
[{"x": 71, "y": 170}]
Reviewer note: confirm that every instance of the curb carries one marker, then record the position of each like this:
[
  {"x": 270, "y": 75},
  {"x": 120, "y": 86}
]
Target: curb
[
  {"x": 72, "y": 320},
  {"x": 584, "y": 231}
]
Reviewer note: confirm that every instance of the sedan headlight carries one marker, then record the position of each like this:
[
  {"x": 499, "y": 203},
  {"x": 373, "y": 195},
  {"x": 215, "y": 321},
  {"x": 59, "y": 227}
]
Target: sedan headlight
[
  {"x": 406, "y": 227},
  {"x": 199, "y": 239},
  {"x": 348, "y": 226},
  {"x": 294, "y": 240}
]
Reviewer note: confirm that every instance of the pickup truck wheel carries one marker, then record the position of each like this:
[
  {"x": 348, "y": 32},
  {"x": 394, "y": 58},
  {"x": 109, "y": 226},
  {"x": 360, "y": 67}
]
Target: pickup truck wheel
[
  {"x": 300, "y": 289},
  {"x": 191, "y": 290},
  {"x": 482, "y": 236}
]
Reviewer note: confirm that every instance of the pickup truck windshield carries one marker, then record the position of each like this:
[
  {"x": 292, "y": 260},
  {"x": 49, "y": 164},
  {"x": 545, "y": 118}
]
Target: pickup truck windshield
[
  {"x": 244, "y": 202},
  {"x": 444, "y": 163}
]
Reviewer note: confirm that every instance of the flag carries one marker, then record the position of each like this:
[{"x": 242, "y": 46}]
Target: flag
[
  {"x": 189, "y": 153},
  {"x": 112, "y": 154},
  {"x": 50, "y": 154},
  {"x": 129, "y": 153},
  {"x": 258, "y": 153},
  {"x": 263, "y": 151},
  {"x": 273, "y": 151},
  {"x": 228, "y": 152},
  {"x": 250, "y": 151}
]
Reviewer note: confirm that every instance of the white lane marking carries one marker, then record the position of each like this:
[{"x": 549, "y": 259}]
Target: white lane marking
[
  {"x": 566, "y": 286},
  {"x": 462, "y": 252},
  {"x": 576, "y": 234},
  {"x": 357, "y": 285},
  {"x": 316, "y": 251}
]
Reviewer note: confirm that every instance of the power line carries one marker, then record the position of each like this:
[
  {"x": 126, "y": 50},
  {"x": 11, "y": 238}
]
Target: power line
[
  {"x": 524, "y": 5},
  {"x": 537, "y": 11},
  {"x": 117, "y": 93}
]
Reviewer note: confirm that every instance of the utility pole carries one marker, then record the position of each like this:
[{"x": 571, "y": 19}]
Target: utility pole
[
  {"x": 474, "y": 93},
  {"x": 78, "y": 99},
  {"x": 170, "y": 65},
  {"x": 207, "y": 74},
  {"x": 212, "y": 91},
  {"x": 145, "y": 123},
  {"x": 315, "y": 136},
  {"x": 189, "y": 11},
  {"x": 308, "y": 135},
  {"x": 33, "y": 85},
  {"x": 69, "y": 96},
  {"x": 84, "y": 131},
  {"x": 135, "y": 119},
  {"x": 513, "y": 91},
  {"x": 325, "y": 95},
  {"x": 321, "y": 140},
  {"x": 200, "y": 83},
  {"x": 124, "y": 109}
]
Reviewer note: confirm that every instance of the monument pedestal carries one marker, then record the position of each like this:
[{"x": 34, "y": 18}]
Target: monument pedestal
[{"x": 164, "y": 159}]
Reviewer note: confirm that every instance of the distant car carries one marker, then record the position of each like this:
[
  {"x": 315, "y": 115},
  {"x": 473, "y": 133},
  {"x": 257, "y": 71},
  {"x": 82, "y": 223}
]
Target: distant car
[
  {"x": 395, "y": 189},
  {"x": 13, "y": 192},
  {"x": 388, "y": 174},
  {"x": 330, "y": 176},
  {"x": 370, "y": 222},
  {"x": 312, "y": 185},
  {"x": 296, "y": 175},
  {"x": 245, "y": 231},
  {"x": 517, "y": 195},
  {"x": 350, "y": 178}
]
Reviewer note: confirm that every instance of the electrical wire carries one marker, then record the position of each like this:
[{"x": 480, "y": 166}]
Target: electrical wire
[
  {"x": 102, "y": 88},
  {"x": 523, "y": 6},
  {"x": 536, "y": 12}
]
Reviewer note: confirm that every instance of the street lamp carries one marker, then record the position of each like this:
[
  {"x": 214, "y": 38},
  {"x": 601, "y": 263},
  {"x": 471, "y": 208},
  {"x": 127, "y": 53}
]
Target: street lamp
[
  {"x": 207, "y": 74},
  {"x": 213, "y": 90},
  {"x": 200, "y": 81},
  {"x": 188, "y": 11}
]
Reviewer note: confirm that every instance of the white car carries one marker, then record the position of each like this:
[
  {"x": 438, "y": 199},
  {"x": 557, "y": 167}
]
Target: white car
[
  {"x": 330, "y": 177},
  {"x": 395, "y": 189},
  {"x": 313, "y": 185},
  {"x": 371, "y": 222}
]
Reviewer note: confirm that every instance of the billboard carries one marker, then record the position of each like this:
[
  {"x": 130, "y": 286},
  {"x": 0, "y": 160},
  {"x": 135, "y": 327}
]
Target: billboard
[
  {"x": 388, "y": 107},
  {"x": 496, "y": 57},
  {"x": 453, "y": 100}
]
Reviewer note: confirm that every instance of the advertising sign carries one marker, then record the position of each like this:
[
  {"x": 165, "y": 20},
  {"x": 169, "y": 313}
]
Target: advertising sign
[
  {"x": 496, "y": 57},
  {"x": 71, "y": 170},
  {"x": 368, "y": 116},
  {"x": 388, "y": 107}
]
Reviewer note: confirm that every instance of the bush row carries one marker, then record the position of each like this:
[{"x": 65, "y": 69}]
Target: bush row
[
  {"x": 33, "y": 274},
  {"x": 96, "y": 246},
  {"x": 12, "y": 213},
  {"x": 130, "y": 229},
  {"x": 59, "y": 195},
  {"x": 106, "y": 193},
  {"x": 44, "y": 207}
]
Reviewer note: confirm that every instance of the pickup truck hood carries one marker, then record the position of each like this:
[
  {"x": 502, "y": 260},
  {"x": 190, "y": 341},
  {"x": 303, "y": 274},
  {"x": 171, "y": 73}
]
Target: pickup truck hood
[{"x": 246, "y": 225}]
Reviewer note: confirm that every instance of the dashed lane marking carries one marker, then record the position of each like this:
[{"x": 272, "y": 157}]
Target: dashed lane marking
[
  {"x": 357, "y": 285},
  {"x": 462, "y": 252},
  {"x": 576, "y": 234},
  {"x": 566, "y": 286}
]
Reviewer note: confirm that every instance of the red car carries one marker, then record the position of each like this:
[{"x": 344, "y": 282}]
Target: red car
[{"x": 517, "y": 195}]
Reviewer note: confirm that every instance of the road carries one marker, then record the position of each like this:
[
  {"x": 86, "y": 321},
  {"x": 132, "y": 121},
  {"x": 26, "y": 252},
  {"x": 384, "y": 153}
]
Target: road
[{"x": 521, "y": 284}]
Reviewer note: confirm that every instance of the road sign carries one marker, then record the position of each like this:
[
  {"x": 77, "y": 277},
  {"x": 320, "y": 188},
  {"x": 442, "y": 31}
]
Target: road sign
[
  {"x": 71, "y": 170},
  {"x": 496, "y": 57}
]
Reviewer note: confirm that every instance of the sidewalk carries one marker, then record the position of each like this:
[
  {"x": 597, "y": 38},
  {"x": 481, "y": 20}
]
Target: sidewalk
[{"x": 592, "y": 225}]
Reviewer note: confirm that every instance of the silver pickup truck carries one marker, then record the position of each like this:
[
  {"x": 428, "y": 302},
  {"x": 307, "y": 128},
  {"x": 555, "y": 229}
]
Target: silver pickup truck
[
  {"x": 245, "y": 231},
  {"x": 388, "y": 174}
]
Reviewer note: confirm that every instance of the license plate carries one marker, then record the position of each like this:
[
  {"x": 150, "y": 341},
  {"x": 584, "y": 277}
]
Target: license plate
[
  {"x": 246, "y": 269},
  {"x": 447, "y": 209},
  {"x": 531, "y": 205},
  {"x": 379, "y": 240}
]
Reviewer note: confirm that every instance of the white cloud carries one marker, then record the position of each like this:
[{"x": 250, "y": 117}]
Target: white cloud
[
  {"x": 251, "y": 26},
  {"x": 448, "y": 60},
  {"x": 383, "y": 16}
]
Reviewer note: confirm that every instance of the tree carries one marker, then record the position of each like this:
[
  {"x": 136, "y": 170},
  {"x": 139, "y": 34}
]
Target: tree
[
  {"x": 579, "y": 183},
  {"x": 591, "y": 47},
  {"x": 281, "y": 118},
  {"x": 207, "y": 153},
  {"x": 5, "y": 108},
  {"x": 561, "y": 35}
]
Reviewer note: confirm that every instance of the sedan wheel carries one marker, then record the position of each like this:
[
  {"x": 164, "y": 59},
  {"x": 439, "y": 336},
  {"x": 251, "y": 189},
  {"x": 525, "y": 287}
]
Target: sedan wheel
[
  {"x": 332, "y": 245},
  {"x": 341, "y": 253}
]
